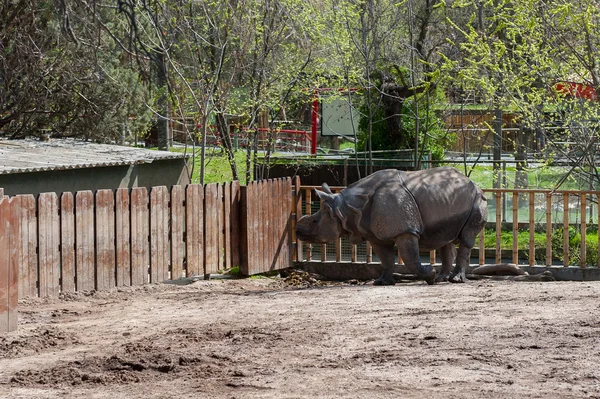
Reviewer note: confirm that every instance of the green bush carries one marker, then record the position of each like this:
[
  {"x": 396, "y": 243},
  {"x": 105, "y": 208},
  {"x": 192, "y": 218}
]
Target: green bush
[
  {"x": 591, "y": 246},
  {"x": 506, "y": 241}
]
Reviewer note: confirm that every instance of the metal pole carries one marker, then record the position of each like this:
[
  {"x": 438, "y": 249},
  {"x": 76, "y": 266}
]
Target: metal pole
[{"x": 315, "y": 123}]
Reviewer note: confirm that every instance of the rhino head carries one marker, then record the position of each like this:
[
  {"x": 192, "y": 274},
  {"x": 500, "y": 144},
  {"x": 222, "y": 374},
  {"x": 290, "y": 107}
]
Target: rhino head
[{"x": 323, "y": 226}]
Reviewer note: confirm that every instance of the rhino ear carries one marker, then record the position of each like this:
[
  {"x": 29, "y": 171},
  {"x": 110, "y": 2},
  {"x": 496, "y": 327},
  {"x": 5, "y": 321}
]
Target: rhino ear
[
  {"x": 326, "y": 188},
  {"x": 328, "y": 198}
]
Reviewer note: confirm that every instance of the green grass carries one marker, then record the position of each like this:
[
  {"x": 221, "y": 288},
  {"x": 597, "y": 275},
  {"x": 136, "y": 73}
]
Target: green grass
[
  {"x": 541, "y": 178},
  {"x": 347, "y": 144},
  {"x": 217, "y": 168}
]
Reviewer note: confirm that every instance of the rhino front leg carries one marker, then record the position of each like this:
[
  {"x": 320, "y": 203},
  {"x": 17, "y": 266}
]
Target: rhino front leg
[
  {"x": 462, "y": 261},
  {"x": 408, "y": 245},
  {"x": 387, "y": 256}
]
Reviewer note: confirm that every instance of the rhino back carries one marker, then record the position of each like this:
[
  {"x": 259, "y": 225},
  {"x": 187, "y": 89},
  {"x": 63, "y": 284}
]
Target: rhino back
[{"x": 445, "y": 199}]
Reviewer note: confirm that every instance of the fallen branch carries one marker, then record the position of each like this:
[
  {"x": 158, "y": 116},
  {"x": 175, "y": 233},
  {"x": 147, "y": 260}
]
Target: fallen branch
[
  {"x": 544, "y": 276},
  {"x": 499, "y": 269}
]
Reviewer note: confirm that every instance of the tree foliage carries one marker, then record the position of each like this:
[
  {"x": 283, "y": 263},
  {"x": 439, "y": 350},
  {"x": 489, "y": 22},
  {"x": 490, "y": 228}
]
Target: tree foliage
[{"x": 108, "y": 71}]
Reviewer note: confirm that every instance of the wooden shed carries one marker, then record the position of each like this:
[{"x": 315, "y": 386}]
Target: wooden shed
[{"x": 68, "y": 165}]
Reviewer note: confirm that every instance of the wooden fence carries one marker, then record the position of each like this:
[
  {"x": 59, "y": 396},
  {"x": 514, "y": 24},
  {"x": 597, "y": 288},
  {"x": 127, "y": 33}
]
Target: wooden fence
[
  {"x": 95, "y": 241},
  {"x": 266, "y": 226},
  {"x": 8, "y": 266},
  {"x": 568, "y": 219}
]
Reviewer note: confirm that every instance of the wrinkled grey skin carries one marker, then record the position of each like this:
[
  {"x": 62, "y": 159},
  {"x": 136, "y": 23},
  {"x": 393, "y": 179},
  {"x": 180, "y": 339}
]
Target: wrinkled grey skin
[{"x": 423, "y": 210}]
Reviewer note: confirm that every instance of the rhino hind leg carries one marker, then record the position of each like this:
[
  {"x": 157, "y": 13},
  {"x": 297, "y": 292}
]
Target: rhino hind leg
[
  {"x": 462, "y": 261},
  {"x": 467, "y": 236},
  {"x": 408, "y": 245},
  {"x": 448, "y": 254}
]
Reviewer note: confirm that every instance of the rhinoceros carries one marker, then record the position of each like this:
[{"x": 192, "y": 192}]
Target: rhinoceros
[{"x": 416, "y": 211}]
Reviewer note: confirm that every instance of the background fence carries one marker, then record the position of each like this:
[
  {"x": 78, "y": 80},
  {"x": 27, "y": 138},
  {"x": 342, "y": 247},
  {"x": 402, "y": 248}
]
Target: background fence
[{"x": 567, "y": 221}]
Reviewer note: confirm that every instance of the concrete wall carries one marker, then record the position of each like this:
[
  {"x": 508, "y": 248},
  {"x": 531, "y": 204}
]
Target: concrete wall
[{"x": 167, "y": 172}]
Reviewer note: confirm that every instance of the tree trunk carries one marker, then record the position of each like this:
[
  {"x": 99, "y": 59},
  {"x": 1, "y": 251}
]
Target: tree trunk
[{"x": 162, "y": 102}]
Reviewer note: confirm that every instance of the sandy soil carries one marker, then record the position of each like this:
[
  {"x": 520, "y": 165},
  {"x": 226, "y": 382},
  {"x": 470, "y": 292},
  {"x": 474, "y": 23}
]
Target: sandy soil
[{"x": 264, "y": 338}]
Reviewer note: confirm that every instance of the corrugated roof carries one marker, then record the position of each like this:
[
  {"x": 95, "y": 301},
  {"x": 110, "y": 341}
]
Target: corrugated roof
[{"x": 21, "y": 156}]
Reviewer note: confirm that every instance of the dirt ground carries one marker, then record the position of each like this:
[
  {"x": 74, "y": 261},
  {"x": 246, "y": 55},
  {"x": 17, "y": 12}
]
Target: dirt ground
[{"x": 267, "y": 338}]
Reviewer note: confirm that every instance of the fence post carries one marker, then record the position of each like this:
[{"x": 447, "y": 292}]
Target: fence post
[
  {"x": 296, "y": 211},
  {"x": 583, "y": 226},
  {"x": 498, "y": 227},
  {"x": 548, "y": 229},
  {"x": 566, "y": 229},
  {"x": 531, "y": 229},
  {"x": 515, "y": 223}
]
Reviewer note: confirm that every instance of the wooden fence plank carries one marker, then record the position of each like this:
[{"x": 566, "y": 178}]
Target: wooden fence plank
[
  {"x": 159, "y": 234},
  {"x": 270, "y": 198},
  {"x": 194, "y": 230},
  {"x": 267, "y": 193},
  {"x": 177, "y": 225},
  {"x": 122, "y": 237},
  {"x": 245, "y": 224},
  {"x": 28, "y": 264},
  {"x": 84, "y": 241},
  {"x": 296, "y": 209},
  {"x": 220, "y": 230},
  {"x": 67, "y": 242},
  {"x": 4, "y": 266},
  {"x": 274, "y": 221},
  {"x": 235, "y": 209},
  {"x": 211, "y": 256},
  {"x": 287, "y": 223},
  {"x": 279, "y": 234},
  {"x": 14, "y": 254},
  {"x": 281, "y": 240},
  {"x": 227, "y": 252},
  {"x": 105, "y": 240},
  {"x": 250, "y": 245},
  {"x": 253, "y": 228},
  {"x": 265, "y": 202},
  {"x": 49, "y": 238},
  {"x": 139, "y": 236}
]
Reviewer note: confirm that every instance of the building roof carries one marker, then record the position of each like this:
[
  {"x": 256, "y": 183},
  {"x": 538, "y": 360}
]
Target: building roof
[{"x": 22, "y": 156}]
